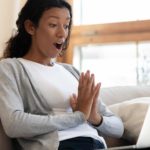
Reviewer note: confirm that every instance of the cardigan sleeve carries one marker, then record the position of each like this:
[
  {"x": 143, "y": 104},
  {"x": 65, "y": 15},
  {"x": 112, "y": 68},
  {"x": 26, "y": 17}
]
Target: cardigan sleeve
[
  {"x": 111, "y": 125},
  {"x": 18, "y": 123}
]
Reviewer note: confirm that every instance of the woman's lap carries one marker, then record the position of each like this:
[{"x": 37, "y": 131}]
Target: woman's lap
[{"x": 80, "y": 143}]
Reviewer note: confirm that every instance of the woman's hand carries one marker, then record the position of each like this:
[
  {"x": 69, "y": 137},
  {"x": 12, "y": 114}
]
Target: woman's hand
[
  {"x": 95, "y": 118},
  {"x": 87, "y": 93}
]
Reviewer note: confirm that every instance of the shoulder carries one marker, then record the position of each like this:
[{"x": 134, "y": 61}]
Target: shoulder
[
  {"x": 8, "y": 62},
  {"x": 9, "y": 65}
]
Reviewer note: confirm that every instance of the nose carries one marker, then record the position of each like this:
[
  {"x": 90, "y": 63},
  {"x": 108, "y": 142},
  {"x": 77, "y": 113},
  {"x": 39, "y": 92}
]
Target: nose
[{"x": 61, "y": 32}]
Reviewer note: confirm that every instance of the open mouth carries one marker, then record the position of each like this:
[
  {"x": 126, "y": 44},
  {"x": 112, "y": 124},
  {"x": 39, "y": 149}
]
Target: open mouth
[{"x": 58, "y": 46}]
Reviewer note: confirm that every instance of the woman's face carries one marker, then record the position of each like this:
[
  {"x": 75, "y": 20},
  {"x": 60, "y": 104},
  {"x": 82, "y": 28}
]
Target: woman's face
[{"x": 48, "y": 38}]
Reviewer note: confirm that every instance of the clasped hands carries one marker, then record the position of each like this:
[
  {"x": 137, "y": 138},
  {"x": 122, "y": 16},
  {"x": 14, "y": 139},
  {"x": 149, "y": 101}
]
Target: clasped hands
[{"x": 86, "y": 100}]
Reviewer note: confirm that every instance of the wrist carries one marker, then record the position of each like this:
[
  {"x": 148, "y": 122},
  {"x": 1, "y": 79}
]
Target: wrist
[{"x": 98, "y": 122}]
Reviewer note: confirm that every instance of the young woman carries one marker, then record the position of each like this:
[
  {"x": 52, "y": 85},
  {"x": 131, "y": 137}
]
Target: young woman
[{"x": 46, "y": 105}]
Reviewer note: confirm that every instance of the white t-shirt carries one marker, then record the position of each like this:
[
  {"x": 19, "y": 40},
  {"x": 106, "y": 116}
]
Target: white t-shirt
[{"x": 57, "y": 85}]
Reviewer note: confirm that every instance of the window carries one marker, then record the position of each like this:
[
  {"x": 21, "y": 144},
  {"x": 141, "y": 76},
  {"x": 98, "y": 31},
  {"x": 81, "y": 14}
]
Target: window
[
  {"x": 115, "y": 64},
  {"x": 108, "y": 11},
  {"x": 112, "y": 39}
]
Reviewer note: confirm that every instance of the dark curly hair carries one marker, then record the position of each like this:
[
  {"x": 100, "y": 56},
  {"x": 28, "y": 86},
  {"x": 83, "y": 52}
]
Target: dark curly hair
[{"x": 18, "y": 45}]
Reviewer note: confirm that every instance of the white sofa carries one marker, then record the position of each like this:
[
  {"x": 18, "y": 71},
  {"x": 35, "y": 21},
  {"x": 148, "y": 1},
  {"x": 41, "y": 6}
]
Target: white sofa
[
  {"x": 115, "y": 95},
  {"x": 110, "y": 95}
]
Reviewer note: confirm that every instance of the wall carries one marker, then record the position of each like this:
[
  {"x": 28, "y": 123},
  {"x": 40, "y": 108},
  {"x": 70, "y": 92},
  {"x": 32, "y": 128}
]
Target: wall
[{"x": 8, "y": 14}]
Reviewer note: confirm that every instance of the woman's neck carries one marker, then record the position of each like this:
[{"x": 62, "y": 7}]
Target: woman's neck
[{"x": 43, "y": 61}]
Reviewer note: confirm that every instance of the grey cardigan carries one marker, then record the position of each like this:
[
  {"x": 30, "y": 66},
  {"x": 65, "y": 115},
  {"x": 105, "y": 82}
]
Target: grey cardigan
[{"x": 26, "y": 116}]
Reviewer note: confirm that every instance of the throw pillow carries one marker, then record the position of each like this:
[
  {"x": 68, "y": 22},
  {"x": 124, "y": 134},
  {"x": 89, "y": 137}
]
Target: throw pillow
[{"x": 132, "y": 112}]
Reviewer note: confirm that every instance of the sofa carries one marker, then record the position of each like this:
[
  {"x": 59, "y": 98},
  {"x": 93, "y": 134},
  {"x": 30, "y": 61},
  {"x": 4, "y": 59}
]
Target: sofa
[
  {"x": 110, "y": 96},
  {"x": 131, "y": 100}
]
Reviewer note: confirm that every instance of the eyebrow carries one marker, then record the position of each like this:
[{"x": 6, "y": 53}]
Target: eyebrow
[{"x": 55, "y": 17}]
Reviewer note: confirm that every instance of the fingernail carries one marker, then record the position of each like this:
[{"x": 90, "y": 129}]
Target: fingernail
[{"x": 92, "y": 75}]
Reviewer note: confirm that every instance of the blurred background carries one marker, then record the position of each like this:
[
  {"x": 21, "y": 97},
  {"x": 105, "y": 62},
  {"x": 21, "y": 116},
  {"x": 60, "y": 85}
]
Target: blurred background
[{"x": 109, "y": 37}]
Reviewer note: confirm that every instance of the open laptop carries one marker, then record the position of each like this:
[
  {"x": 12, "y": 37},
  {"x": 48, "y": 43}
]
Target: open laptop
[{"x": 143, "y": 139}]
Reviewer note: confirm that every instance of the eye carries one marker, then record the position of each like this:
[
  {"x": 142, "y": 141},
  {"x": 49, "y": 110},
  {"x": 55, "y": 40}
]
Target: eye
[
  {"x": 66, "y": 26},
  {"x": 52, "y": 25}
]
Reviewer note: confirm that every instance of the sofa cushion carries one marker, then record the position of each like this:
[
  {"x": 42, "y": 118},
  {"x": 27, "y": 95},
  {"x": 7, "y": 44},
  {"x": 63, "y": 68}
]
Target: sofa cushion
[
  {"x": 113, "y": 95},
  {"x": 132, "y": 113}
]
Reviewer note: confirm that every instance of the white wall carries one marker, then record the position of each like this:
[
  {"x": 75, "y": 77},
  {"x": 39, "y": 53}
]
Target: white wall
[{"x": 8, "y": 14}]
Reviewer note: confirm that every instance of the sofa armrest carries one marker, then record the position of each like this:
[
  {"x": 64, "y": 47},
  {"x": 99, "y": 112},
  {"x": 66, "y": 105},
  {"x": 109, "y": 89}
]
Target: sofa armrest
[{"x": 5, "y": 141}]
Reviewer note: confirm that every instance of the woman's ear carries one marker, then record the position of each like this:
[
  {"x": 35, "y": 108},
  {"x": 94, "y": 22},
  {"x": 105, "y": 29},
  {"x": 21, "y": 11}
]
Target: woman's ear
[{"x": 29, "y": 27}]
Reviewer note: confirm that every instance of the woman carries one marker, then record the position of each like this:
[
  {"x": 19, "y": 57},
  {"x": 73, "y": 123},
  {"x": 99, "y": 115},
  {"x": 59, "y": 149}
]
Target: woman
[{"x": 46, "y": 105}]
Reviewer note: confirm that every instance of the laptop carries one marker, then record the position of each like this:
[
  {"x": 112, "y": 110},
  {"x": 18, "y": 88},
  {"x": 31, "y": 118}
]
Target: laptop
[{"x": 143, "y": 139}]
